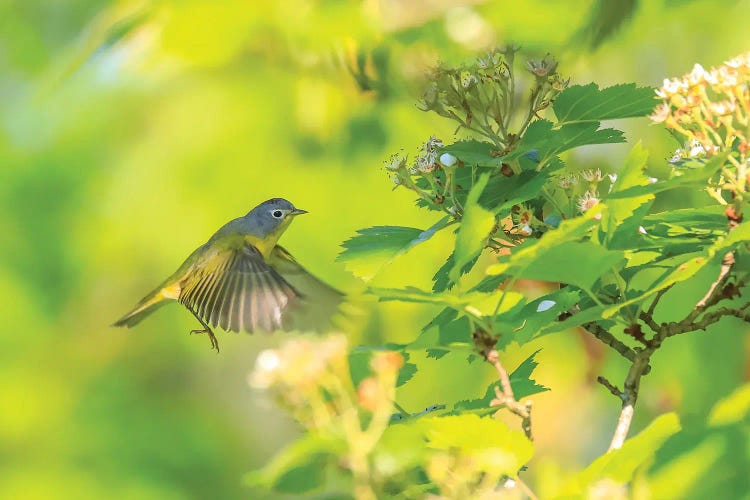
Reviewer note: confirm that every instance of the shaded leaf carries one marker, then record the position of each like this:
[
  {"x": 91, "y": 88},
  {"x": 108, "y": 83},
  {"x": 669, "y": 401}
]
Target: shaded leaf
[
  {"x": 620, "y": 465},
  {"x": 472, "y": 152},
  {"x": 298, "y": 468}
]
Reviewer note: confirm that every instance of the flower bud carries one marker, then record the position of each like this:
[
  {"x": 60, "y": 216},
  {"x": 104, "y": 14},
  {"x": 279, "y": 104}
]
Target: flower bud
[{"x": 448, "y": 160}]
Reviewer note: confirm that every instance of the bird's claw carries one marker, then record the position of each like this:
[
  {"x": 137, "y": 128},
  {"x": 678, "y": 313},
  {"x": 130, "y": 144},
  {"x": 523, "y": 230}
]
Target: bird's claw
[{"x": 211, "y": 337}]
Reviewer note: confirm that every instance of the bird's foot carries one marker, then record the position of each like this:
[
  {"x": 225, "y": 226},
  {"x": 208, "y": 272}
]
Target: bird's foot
[{"x": 211, "y": 337}]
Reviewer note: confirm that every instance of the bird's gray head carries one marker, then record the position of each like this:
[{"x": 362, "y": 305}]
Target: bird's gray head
[{"x": 272, "y": 217}]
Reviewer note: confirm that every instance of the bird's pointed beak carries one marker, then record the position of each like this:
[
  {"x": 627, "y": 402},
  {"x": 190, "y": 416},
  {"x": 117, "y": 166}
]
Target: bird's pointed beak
[{"x": 298, "y": 211}]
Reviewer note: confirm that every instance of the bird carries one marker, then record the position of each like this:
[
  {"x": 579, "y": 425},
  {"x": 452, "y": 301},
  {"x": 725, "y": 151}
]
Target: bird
[{"x": 241, "y": 280}]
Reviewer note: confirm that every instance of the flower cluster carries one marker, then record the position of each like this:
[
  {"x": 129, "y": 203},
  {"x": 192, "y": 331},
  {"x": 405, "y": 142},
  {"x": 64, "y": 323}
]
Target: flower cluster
[
  {"x": 430, "y": 175},
  {"x": 312, "y": 379},
  {"x": 581, "y": 189},
  {"x": 709, "y": 109},
  {"x": 481, "y": 97}
]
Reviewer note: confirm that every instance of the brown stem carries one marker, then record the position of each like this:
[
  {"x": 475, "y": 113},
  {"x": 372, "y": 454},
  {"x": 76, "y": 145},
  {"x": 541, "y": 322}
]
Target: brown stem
[{"x": 505, "y": 397}]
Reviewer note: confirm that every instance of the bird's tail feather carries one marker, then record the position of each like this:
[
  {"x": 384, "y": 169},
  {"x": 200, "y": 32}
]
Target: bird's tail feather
[{"x": 146, "y": 306}]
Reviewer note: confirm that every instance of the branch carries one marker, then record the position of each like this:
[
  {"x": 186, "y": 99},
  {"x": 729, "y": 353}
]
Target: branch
[
  {"x": 505, "y": 397},
  {"x": 712, "y": 297},
  {"x": 609, "y": 339},
  {"x": 640, "y": 366},
  {"x": 610, "y": 386},
  {"x": 629, "y": 397}
]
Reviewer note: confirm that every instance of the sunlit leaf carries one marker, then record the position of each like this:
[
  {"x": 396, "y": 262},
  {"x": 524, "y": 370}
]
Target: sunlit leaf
[
  {"x": 734, "y": 408},
  {"x": 620, "y": 465},
  {"x": 589, "y": 103},
  {"x": 475, "y": 227},
  {"x": 490, "y": 443},
  {"x": 372, "y": 248}
]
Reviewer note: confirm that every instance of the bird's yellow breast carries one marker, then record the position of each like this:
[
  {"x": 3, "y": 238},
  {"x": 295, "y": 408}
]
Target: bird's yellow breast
[{"x": 267, "y": 244}]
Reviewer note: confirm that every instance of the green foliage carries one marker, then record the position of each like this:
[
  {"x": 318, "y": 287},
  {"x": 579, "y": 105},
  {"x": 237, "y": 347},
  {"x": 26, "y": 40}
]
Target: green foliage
[
  {"x": 594, "y": 235},
  {"x": 581, "y": 103},
  {"x": 474, "y": 231},
  {"x": 132, "y": 130},
  {"x": 374, "y": 247}
]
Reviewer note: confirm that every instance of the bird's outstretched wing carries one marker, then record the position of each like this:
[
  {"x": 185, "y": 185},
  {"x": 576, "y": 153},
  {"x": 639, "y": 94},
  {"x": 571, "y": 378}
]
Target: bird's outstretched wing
[
  {"x": 233, "y": 287},
  {"x": 318, "y": 308}
]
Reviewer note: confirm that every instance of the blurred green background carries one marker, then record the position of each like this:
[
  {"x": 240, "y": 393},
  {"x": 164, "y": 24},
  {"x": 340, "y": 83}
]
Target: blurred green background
[{"x": 131, "y": 130}]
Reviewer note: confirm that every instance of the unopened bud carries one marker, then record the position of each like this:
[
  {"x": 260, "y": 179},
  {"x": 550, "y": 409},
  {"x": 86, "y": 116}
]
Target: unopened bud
[{"x": 448, "y": 160}]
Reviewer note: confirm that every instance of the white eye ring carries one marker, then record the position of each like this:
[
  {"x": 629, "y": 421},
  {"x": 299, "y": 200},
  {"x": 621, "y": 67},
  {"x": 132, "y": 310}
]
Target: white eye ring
[{"x": 277, "y": 214}]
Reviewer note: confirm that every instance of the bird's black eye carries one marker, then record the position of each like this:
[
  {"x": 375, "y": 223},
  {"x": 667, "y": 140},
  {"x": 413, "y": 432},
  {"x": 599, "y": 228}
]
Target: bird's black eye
[{"x": 277, "y": 214}]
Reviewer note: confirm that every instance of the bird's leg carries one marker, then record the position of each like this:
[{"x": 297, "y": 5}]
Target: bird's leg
[{"x": 206, "y": 330}]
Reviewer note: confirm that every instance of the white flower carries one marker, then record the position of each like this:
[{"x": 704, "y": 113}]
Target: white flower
[
  {"x": 592, "y": 175},
  {"x": 266, "y": 369},
  {"x": 395, "y": 162},
  {"x": 723, "y": 107},
  {"x": 677, "y": 156},
  {"x": 696, "y": 149},
  {"x": 642, "y": 230},
  {"x": 567, "y": 181},
  {"x": 587, "y": 201},
  {"x": 612, "y": 178},
  {"x": 697, "y": 75}
]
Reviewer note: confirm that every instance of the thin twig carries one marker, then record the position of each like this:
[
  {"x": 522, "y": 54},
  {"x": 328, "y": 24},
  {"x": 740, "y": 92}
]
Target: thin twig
[
  {"x": 657, "y": 298},
  {"x": 726, "y": 266},
  {"x": 647, "y": 318},
  {"x": 505, "y": 397},
  {"x": 610, "y": 387},
  {"x": 610, "y": 340}
]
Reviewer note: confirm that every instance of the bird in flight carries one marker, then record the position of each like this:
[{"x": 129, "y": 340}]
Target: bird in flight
[{"x": 242, "y": 281}]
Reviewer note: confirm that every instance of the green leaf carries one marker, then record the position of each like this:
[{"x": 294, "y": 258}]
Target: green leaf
[
  {"x": 475, "y": 228},
  {"x": 625, "y": 214},
  {"x": 491, "y": 444},
  {"x": 298, "y": 468},
  {"x": 441, "y": 280},
  {"x": 562, "y": 263},
  {"x": 588, "y": 103},
  {"x": 413, "y": 294},
  {"x": 688, "y": 268},
  {"x": 681, "y": 178},
  {"x": 631, "y": 175},
  {"x": 539, "y": 316},
  {"x": 605, "y": 19},
  {"x": 706, "y": 461},
  {"x": 503, "y": 192},
  {"x": 372, "y": 248},
  {"x": 473, "y": 153},
  {"x": 400, "y": 448},
  {"x": 620, "y": 465},
  {"x": 520, "y": 380},
  {"x": 550, "y": 139},
  {"x": 732, "y": 409},
  {"x": 569, "y": 230}
]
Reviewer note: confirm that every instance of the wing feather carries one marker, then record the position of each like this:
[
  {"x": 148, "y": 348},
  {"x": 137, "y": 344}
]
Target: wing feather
[{"x": 237, "y": 290}]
